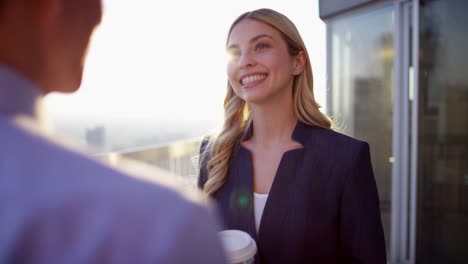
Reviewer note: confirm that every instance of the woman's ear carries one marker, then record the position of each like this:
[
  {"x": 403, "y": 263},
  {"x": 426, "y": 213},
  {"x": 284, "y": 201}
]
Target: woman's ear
[{"x": 299, "y": 63}]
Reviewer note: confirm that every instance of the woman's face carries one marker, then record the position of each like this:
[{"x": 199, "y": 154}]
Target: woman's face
[{"x": 260, "y": 69}]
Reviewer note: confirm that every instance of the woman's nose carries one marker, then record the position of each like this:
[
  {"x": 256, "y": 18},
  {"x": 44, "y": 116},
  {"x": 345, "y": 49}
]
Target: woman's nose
[{"x": 246, "y": 60}]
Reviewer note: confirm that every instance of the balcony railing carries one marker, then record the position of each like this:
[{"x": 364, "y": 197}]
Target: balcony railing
[{"x": 176, "y": 159}]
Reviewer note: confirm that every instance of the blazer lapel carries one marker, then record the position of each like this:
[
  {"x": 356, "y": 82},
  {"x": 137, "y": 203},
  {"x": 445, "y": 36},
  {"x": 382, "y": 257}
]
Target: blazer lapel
[
  {"x": 284, "y": 197},
  {"x": 240, "y": 201},
  {"x": 277, "y": 207},
  {"x": 277, "y": 211}
]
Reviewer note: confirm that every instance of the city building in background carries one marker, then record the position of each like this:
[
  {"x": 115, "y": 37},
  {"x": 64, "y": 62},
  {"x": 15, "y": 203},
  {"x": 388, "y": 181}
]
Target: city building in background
[
  {"x": 96, "y": 139},
  {"x": 397, "y": 79}
]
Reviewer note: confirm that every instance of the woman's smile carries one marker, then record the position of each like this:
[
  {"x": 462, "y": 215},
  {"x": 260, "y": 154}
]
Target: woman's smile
[{"x": 253, "y": 79}]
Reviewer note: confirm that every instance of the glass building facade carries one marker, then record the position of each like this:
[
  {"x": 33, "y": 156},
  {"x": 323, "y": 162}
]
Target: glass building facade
[{"x": 398, "y": 79}]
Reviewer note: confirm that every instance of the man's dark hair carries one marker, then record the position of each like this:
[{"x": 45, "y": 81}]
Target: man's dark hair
[{"x": 2, "y": 3}]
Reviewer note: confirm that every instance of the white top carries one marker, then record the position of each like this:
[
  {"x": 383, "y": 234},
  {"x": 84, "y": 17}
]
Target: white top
[{"x": 259, "y": 204}]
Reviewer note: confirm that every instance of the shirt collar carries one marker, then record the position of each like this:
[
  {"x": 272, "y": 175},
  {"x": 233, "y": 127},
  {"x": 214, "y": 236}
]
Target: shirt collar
[
  {"x": 301, "y": 132},
  {"x": 18, "y": 96}
]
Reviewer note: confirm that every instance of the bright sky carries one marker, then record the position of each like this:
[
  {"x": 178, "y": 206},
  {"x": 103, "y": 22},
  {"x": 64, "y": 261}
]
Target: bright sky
[{"x": 165, "y": 60}]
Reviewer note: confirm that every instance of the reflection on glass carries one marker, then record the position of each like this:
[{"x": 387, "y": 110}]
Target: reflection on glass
[
  {"x": 442, "y": 227},
  {"x": 362, "y": 74}
]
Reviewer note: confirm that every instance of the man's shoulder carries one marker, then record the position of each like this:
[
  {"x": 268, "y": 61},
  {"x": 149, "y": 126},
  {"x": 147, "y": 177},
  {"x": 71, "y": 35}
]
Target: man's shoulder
[
  {"x": 56, "y": 169},
  {"x": 137, "y": 213}
]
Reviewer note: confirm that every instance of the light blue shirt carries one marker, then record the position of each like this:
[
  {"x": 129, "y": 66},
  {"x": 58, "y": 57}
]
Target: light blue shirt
[{"x": 59, "y": 206}]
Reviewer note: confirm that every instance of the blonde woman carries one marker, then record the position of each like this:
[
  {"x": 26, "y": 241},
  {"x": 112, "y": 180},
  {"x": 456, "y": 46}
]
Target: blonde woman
[{"x": 277, "y": 170}]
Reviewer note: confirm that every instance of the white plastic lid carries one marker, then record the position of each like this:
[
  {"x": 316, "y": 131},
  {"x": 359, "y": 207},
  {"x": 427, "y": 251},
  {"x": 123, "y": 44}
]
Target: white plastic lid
[{"x": 238, "y": 245}]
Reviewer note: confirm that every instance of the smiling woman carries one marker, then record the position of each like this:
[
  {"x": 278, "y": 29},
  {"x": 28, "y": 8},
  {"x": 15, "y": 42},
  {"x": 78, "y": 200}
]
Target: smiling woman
[
  {"x": 277, "y": 170},
  {"x": 150, "y": 79},
  {"x": 258, "y": 49}
]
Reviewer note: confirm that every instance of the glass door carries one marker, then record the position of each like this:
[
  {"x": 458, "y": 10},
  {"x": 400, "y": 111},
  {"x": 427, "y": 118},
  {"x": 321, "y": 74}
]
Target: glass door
[
  {"x": 398, "y": 80},
  {"x": 430, "y": 174},
  {"x": 360, "y": 65},
  {"x": 442, "y": 176}
]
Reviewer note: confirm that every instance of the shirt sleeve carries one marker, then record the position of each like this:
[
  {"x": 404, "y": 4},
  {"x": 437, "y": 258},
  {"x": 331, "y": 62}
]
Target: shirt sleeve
[
  {"x": 197, "y": 241},
  {"x": 119, "y": 231}
]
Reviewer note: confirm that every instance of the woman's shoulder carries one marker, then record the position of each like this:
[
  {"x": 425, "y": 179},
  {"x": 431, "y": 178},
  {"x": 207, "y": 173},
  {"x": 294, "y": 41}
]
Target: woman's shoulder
[
  {"x": 332, "y": 147},
  {"x": 317, "y": 136}
]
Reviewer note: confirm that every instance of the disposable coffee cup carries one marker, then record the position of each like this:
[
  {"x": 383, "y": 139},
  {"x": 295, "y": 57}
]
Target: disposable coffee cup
[{"x": 239, "y": 246}]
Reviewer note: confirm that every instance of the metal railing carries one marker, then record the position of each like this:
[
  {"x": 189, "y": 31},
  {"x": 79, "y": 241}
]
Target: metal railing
[{"x": 177, "y": 159}]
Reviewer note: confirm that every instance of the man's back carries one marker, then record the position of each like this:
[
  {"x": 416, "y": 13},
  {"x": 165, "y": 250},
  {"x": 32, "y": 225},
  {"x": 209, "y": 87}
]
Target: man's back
[{"x": 57, "y": 206}]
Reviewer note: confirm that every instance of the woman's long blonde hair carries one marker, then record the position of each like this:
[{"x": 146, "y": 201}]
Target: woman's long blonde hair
[{"x": 237, "y": 119}]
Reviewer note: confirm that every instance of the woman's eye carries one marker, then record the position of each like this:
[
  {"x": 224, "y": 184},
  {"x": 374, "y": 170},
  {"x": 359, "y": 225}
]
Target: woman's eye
[{"x": 261, "y": 46}]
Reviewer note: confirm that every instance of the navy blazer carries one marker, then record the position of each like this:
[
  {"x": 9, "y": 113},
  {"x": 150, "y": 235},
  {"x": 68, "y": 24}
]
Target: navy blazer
[{"x": 323, "y": 206}]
